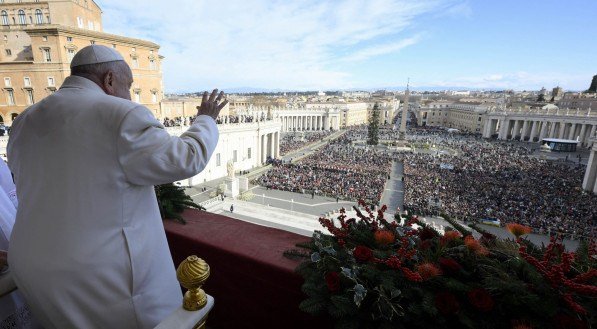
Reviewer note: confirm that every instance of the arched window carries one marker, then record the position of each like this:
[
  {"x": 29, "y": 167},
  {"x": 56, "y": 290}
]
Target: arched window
[
  {"x": 4, "y": 16},
  {"x": 39, "y": 17},
  {"x": 22, "y": 18}
]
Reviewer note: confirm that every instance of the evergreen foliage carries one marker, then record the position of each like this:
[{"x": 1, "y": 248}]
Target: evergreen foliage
[
  {"x": 373, "y": 272},
  {"x": 373, "y": 130},
  {"x": 172, "y": 201}
]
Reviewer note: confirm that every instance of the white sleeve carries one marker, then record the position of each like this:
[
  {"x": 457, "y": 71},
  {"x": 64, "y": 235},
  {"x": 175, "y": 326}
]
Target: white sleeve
[
  {"x": 150, "y": 156},
  {"x": 7, "y": 184}
]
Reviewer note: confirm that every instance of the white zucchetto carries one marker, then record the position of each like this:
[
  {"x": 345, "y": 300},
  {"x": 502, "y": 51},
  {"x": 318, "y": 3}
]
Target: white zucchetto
[{"x": 95, "y": 54}]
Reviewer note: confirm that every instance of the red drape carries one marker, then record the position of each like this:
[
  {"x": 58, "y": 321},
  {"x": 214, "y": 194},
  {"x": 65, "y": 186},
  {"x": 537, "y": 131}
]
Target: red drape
[{"x": 253, "y": 284}]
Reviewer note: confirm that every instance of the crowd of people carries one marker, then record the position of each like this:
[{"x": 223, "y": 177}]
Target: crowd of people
[
  {"x": 461, "y": 175},
  {"x": 338, "y": 170},
  {"x": 295, "y": 141},
  {"x": 223, "y": 119},
  {"x": 479, "y": 179}
]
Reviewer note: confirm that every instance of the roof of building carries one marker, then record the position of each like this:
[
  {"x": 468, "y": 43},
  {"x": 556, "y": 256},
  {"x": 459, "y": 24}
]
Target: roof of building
[{"x": 563, "y": 141}]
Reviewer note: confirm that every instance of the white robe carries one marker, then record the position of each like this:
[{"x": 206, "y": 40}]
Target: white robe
[{"x": 88, "y": 249}]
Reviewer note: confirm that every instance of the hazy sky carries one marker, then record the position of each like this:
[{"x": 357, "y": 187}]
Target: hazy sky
[{"x": 325, "y": 45}]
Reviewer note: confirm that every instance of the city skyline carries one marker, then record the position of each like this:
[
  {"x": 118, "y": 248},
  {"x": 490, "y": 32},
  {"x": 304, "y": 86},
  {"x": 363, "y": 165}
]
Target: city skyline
[{"x": 319, "y": 45}]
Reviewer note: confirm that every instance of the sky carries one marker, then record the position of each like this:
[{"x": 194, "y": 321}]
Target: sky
[{"x": 364, "y": 44}]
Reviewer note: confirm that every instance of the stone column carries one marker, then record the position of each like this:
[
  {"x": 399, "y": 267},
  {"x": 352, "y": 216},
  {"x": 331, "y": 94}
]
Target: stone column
[
  {"x": 263, "y": 149},
  {"x": 562, "y": 130},
  {"x": 552, "y": 130},
  {"x": 516, "y": 129},
  {"x": 277, "y": 146},
  {"x": 572, "y": 133},
  {"x": 583, "y": 132},
  {"x": 272, "y": 145},
  {"x": 504, "y": 129},
  {"x": 523, "y": 133},
  {"x": 592, "y": 135},
  {"x": 590, "y": 180},
  {"x": 544, "y": 130},
  {"x": 533, "y": 131}
]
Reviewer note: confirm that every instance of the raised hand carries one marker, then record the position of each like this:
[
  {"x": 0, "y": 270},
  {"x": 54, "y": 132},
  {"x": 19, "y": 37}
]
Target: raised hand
[{"x": 213, "y": 105}]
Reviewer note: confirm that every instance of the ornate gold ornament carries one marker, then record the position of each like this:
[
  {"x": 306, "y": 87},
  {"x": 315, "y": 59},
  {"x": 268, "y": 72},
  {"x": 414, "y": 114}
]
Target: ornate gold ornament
[{"x": 192, "y": 274}]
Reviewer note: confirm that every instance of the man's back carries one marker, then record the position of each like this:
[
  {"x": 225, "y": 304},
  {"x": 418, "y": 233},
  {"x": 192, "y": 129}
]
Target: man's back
[{"x": 88, "y": 248}]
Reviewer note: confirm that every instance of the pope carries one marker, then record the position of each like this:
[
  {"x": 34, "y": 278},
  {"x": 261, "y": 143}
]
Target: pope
[{"x": 88, "y": 248}]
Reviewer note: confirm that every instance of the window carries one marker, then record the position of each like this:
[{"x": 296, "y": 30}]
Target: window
[
  {"x": 152, "y": 64},
  {"x": 90, "y": 25},
  {"x": 5, "y": 37},
  {"x": 8, "y": 52},
  {"x": 218, "y": 160},
  {"x": 249, "y": 153},
  {"x": 47, "y": 55},
  {"x": 10, "y": 97},
  {"x": 80, "y": 22},
  {"x": 30, "y": 99},
  {"x": 4, "y": 16},
  {"x": 22, "y": 18},
  {"x": 69, "y": 39},
  {"x": 70, "y": 54},
  {"x": 39, "y": 17},
  {"x": 234, "y": 156},
  {"x": 114, "y": 45},
  {"x": 135, "y": 63},
  {"x": 154, "y": 97},
  {"x": 7, "y": 82},
  {"x": 138, "y": 96},
  {"x": 44, "y": 38},
  {"x": 51, "y": 82},
  {"x": 27, "y": 81},
  {"x": 134, "y": 49}
]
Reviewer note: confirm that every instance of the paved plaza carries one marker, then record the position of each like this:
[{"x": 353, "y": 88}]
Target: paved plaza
[{"x": 299, "y": 213}]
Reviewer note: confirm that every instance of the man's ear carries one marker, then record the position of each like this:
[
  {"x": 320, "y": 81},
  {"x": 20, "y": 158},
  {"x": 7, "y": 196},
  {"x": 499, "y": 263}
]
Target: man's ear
[{"x": 109, "y": 82}]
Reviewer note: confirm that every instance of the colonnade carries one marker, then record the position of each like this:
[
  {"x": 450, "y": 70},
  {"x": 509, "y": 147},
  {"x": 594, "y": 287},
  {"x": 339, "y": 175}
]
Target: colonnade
[
  {"x": 534, "y": 130},
  {"x": 306, "y": 122},
  {"x": 590, "y": 181},
  {"x": 269, "y": 146}
]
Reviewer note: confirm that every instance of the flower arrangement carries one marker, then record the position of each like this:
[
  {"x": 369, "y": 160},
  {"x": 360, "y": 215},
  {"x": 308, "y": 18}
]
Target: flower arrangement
[{"x": 372, "y": 272}]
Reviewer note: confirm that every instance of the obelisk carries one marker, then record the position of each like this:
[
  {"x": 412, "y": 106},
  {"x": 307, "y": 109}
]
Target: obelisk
[{"x": 404, "y": 113}]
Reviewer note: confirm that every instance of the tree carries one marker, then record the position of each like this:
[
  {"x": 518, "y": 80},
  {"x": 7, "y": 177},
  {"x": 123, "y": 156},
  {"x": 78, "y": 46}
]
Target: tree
[
  {"x": 172, "y": 201},
  {"x": 373, "y": 132}
]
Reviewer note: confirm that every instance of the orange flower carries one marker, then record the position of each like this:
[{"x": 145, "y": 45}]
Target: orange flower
[
  {"x": 449, "y": 236},
  {"x": 475, "y": 246},
  {"x": 428, "y": 271},
  {"x": 517, "y": 229},
  {"x": 384, "y": 237}
]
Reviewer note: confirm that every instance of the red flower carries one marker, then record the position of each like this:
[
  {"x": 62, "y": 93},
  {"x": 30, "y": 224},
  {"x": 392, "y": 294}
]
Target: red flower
[
  {"x": 449, "y": 236},
  {"x": 362, "y": 254},
  {"x": 449, "y": 266},
  {"x": 475, "y": 246},
  {"x": 446, "y": 303},
  {"x": 428, "y": 271},
  {"x": 384, "y": 237},
  {"x": 517, "y": 229},
  {"x": 481, "y": 299},
  {"x": 332, "y": 279}
]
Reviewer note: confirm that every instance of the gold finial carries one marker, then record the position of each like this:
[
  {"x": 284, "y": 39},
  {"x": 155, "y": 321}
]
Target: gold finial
[{"x": 192, "y": 274}]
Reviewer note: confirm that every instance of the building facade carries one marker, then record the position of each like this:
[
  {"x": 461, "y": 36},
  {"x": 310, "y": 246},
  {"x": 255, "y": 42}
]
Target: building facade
[
  {"x": 41, "y": 38},
  {"x": 535, "y": 125},
  {"x": 469, "y": 117},
  {"x": 246, "y": 145}
]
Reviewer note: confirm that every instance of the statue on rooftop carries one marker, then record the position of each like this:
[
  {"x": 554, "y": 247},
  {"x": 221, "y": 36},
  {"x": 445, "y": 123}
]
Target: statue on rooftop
[{"x": 230, "y": 169}]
